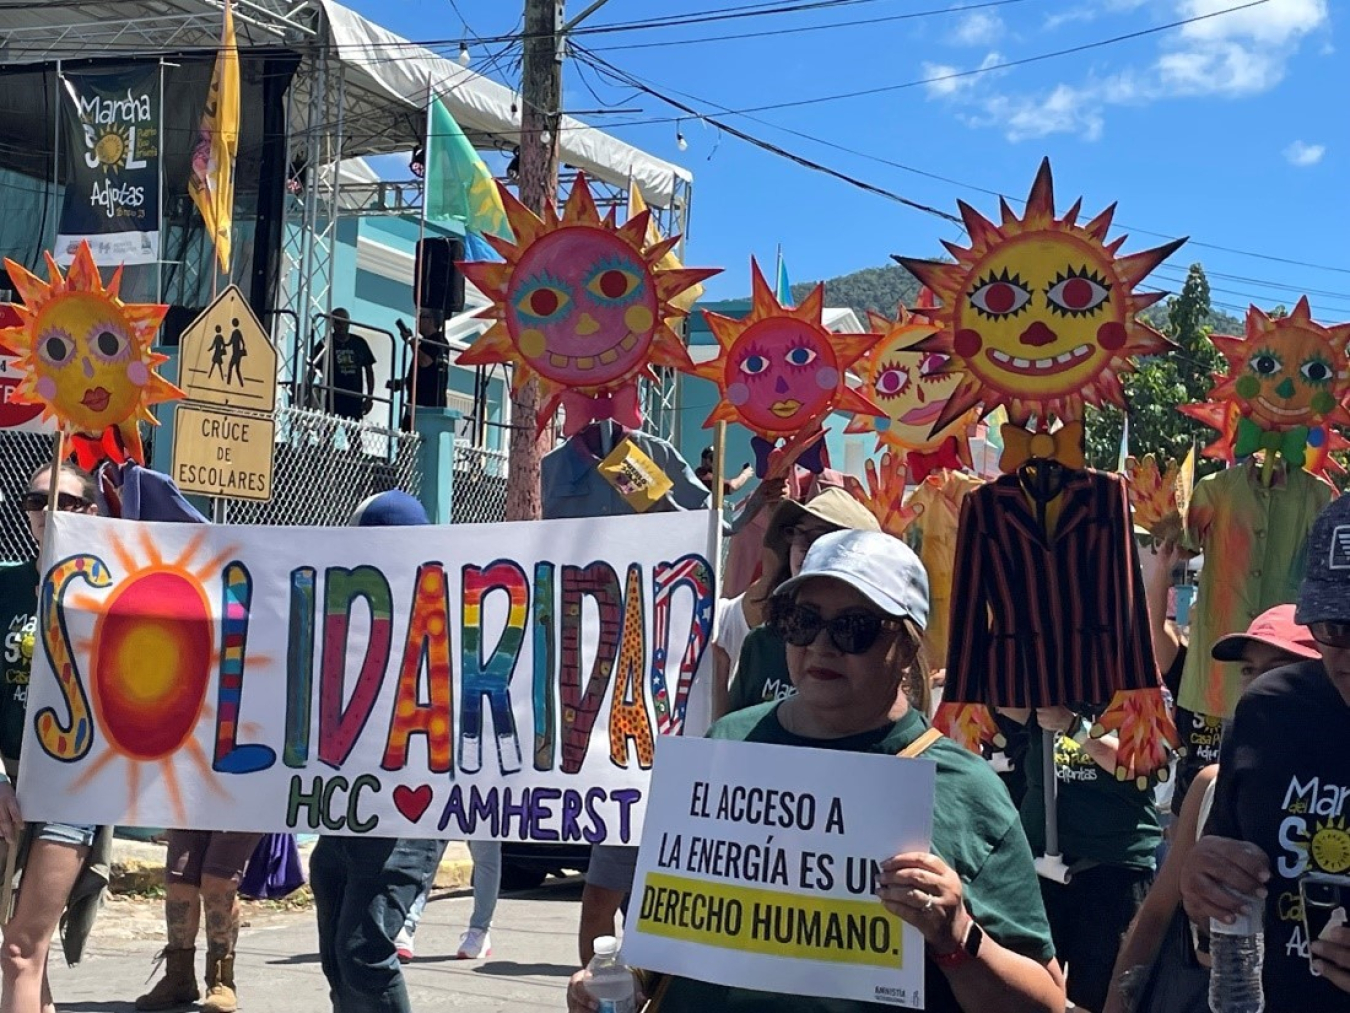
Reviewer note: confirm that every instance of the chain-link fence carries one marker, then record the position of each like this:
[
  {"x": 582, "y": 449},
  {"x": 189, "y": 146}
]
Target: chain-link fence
[
  {"x": 23, "y": 454},
  {"x": 480, "y": 486},
  {"x": 323, "y": 466}
]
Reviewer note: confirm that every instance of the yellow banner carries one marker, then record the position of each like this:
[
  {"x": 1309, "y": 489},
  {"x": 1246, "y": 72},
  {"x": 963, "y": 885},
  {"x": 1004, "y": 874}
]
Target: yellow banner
[{"x": 734, "y": 917}]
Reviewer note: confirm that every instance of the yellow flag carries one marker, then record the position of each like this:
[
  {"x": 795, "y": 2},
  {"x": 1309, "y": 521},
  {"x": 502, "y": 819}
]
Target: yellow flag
[
  {"x": 636, "y": 205},
  {"x": 212, "y": 182}
]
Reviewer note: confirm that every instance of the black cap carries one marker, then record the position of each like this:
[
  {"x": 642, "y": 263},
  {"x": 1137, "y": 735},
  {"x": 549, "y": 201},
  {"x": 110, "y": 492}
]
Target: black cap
[{"x": 1325, "y": 594}]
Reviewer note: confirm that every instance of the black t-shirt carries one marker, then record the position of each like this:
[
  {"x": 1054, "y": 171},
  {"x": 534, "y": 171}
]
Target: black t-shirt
[
  {"x": 1284, "y": 785},
  {"x": 18, "y": 623},
  {"x": 350, "y": 361}
]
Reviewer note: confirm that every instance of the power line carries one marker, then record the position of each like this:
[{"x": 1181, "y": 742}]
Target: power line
[
  {"x": 610, "y": 70},
  {"x": 809, "y": 28}
]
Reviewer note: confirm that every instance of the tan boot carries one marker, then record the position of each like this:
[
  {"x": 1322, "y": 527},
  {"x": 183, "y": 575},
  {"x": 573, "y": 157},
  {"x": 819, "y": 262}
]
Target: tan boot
[
  {"x": 220, "y": 997},
  {"x": 178, "y": 987}
]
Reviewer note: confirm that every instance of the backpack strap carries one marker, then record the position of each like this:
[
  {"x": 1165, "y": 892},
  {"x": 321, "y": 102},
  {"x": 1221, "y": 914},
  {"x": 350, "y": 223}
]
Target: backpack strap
[{"x": 920, "y": 744}]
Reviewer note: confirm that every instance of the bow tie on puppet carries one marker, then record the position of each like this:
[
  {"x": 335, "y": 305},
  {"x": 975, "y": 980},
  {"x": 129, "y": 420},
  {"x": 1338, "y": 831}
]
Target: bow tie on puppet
[
  {"x": 812, "y": 458},
  {"x": 1064, "y": 445},
  {"x": 581, "y": 409},
  {"x": 947, "y": 455},
  {"x": 1291, "y": 444}
]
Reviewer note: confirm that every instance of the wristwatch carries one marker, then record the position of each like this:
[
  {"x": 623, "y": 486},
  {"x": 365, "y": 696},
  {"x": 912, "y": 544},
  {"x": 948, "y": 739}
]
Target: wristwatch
[{"x": 966, "y": 952}]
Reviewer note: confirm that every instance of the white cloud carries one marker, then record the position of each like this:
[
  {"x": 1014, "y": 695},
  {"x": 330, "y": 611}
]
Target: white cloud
[
  {"x": 979, "y": 28},
  {"x": 941, "y": 80},
  {"x": 1230, "y": 55},
  {"x": 1302, "y": 155}
]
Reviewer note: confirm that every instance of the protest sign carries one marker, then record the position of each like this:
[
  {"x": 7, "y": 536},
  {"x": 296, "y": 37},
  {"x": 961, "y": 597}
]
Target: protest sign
[
  {"x": 364, "y": 681},
  {"x": 758, "y": 869}
]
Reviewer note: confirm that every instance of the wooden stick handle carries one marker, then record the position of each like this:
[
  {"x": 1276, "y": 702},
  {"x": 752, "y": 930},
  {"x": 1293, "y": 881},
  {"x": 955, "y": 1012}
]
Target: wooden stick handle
[{"x": 11, "y": 865}]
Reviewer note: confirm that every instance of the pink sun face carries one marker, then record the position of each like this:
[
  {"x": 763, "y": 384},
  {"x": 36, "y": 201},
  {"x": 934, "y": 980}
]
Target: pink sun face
[
  {"x": 582, "y": 308},
  {"x": 781, "y": 374}
]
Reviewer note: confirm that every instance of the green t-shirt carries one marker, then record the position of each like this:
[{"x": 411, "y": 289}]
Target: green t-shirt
[
  {"x": 18, "y": 621},
  {"x": 975, "y": 830},
  {"x": 762, "y": 672},
  {"x": 1101, "y": 819}
]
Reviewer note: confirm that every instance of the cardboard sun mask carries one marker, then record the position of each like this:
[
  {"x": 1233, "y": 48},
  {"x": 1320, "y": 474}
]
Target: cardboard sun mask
[
  {"x": 912, "y": 388},
  {"x": 1287, "y": 383},
  {"x": 1039, "y": 312},
  {"x": 581, "y": 304},
  {"x": 779, "y": 370},
  {"x": 86, "y": 354}
]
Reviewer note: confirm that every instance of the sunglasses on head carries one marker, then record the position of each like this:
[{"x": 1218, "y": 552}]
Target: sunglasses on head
[
  {"x": 36, "y": 502},
  {"x": 1331, "y": 634},
  {"x": 851, "y": 633}
]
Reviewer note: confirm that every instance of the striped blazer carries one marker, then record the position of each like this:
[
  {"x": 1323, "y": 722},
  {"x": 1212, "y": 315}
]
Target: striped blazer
[{"x": 1039, "y": 621}]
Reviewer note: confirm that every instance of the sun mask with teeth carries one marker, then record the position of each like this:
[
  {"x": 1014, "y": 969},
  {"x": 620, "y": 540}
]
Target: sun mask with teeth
[
  {"x": 1039, "y": 313},
  {"x": 581, "y": 304},
  {"x": 779, "y": 370}
]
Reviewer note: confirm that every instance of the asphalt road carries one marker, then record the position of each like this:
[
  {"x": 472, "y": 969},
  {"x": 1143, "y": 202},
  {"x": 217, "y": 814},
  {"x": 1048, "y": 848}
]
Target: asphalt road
[{"x": 534, "y": 951}]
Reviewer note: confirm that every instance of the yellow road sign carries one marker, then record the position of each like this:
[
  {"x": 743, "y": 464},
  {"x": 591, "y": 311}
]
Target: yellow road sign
[
  {"x": 221, "y": 453},
  {"x": 226, "y": 358}
]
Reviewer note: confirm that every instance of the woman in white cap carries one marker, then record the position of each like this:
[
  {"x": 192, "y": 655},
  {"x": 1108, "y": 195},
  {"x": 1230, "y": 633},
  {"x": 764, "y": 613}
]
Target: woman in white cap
[{"x": 852, "y": 618}]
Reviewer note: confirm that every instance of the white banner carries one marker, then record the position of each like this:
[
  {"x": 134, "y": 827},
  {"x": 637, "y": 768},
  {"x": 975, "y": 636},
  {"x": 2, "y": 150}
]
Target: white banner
[
  {"x": 472, "y": 681},
  {"x": 758, "y": 870}
]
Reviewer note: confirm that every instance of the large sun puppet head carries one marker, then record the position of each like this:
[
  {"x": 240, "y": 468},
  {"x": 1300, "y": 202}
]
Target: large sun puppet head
[
  {"x": 1288, "y": 378},
  {"x": 1286, "y": 372},
  {"x": 1039, "y": 313},
  {"x": 911, "y": 386},
  {"x": 85, "y": 353},
  {"x": 779, "y": 369},
  {"x": 580, "y": 304}
]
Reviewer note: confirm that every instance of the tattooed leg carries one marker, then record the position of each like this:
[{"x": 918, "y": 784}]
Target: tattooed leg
[
  {"x": 182, "y": 915},
  {"x": 220, "y": 897}
]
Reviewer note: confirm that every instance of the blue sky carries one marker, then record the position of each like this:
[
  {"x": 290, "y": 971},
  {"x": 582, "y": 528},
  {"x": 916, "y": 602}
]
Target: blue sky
[{"x": 1229, "y": 130}]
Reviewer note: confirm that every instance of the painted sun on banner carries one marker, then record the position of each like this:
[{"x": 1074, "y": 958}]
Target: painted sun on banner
[{"x": 516, "y": 693}]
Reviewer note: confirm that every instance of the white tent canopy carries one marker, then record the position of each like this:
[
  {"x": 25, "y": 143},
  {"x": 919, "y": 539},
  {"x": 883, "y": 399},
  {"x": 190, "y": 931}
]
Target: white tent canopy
[
  {"x": 376, "y": 60},
  {"x": 385, "y": 78}
]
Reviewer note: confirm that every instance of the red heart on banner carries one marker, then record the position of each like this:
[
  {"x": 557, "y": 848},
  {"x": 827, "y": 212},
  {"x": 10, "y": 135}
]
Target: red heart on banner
[{"x": 412, "y": 802}]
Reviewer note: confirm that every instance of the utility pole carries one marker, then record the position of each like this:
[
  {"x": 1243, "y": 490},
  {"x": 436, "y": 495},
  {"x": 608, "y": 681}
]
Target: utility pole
[
  {"x": 540, "y": 116},
  {"x": 540, "y": 113}
]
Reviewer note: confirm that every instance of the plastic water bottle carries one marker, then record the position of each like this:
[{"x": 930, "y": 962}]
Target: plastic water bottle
[
  {"x": 611, "y": 982},
  {"x": 1237, "y": 952}
]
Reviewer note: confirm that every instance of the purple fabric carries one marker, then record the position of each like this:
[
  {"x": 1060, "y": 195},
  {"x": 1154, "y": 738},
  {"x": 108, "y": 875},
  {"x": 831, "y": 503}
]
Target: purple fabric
[{"x": 274, "y": 870}]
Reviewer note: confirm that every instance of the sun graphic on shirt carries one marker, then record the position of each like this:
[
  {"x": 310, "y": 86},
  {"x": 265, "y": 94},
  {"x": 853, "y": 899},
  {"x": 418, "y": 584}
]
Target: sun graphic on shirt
[
  {"x": 780, "y": 369},
  {"x": 580, "y": 304},
  {"x": 1039, "y": 313},
  {"x": 150, "y": 660},
  {"x": 1330, "y": 846},
  {"x": 84, "y": 353}
]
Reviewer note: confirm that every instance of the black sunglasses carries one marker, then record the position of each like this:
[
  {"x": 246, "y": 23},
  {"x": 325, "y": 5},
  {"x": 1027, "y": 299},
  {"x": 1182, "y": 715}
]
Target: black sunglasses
[
  {"x": 1331, "y": 634},
  {"x": 36, "y": 502},
  {"x": 851, "y": 633}
]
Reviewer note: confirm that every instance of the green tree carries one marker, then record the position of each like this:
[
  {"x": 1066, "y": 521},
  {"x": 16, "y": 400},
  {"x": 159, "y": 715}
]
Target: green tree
[{"x": 1161, "y": 383}]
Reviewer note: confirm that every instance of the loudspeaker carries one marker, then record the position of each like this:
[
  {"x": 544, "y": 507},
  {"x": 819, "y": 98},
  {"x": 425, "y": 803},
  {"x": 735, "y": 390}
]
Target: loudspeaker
[{"x": 442, "y": 284}]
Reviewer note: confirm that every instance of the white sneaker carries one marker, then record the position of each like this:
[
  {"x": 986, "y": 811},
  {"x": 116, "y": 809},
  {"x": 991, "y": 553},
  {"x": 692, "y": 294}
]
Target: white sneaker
[{"x": 476, "y": 944}]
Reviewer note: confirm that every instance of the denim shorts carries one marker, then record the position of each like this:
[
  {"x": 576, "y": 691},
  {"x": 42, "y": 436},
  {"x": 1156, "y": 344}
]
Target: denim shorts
[{"x": 65, "y": 833}]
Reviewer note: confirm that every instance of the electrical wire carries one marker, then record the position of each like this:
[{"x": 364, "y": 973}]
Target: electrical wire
[
  {"x": 631, "y": 80},
  {"x": 810, "y": 28}
]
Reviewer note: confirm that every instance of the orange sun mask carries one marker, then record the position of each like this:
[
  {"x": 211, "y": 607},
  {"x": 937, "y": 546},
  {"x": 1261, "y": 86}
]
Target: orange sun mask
[
  {"x": 1286, "y": 385},
  {"x": 1039, "y": 313},
  {"x": 779, "y": 370},
  {"x": 86, "y": 354},
  {"x": 581, "y": 305}
]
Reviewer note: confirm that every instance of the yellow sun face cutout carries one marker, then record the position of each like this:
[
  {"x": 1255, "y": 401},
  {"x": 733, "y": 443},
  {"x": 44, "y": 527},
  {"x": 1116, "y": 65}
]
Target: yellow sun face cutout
[
  {"x": 912, "y": 387},
  {"x": 1039, "y": 313},
  {"x": 85, "y": 353},
  {"x": 582, "y": 305},
  {"x": 780, "y": 370}
]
